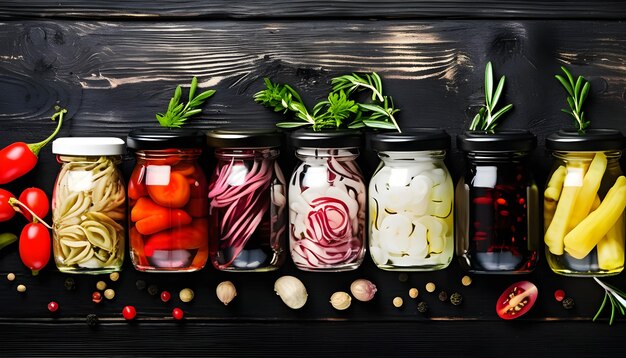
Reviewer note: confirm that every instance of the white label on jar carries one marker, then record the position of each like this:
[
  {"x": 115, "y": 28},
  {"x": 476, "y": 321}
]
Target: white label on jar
[
  {"x": 486, "y": 177},
  {"x": 574, "y": 177},
  {"x": 158, "y": 175},
  {"x": 79, "y": 180}
]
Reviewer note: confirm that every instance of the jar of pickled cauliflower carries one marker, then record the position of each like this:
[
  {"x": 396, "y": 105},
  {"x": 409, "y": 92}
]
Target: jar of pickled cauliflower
[
  {"x": 167, "y": 190},
  {"x": 411, "y": 201},
  {"x": 584, "y": 202},
  {"x": 248, "y": 201},
  {"x": 498, "y": 226},
  {"x": 327, "y": 202},
  {"x": 89, "y": 205}
]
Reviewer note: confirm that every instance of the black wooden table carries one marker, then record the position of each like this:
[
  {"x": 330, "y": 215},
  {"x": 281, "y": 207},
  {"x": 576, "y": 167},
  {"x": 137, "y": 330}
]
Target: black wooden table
[{"x": 115, "y": 64}]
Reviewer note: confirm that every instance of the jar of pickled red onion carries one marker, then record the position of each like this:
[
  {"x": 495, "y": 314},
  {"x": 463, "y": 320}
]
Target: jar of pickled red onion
[
  {"x": 498, "y": 226},
  {"x": 327, "y": 202},
  {"x": 248, "y": 202},
  {"x": 168, "y": 204},
  {"x": 411, "y": 201}
]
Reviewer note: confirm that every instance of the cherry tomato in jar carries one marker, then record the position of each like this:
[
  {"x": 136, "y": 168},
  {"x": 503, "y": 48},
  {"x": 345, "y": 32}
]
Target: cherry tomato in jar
[
  {"x": 37, "y": 201},
  {"x": 6, "y": 210},
  {"x": 173, "y": 195},
  {"x": 35, "y": 246},
  {"x": 516, "y": 300}
]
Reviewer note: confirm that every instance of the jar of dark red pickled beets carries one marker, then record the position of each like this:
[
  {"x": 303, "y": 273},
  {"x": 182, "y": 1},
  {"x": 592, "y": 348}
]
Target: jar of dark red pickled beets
[
  {"x": 168, "y": 203},
  {"x": 497, "y": 213},
  {"x": 248, "y": 201}
]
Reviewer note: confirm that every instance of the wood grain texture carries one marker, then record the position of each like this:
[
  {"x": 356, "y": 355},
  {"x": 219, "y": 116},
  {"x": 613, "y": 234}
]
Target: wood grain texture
[{"x": 306, "y": 9}]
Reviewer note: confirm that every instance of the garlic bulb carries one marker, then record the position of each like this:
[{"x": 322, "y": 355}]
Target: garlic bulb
[
  {"x": 291, "y": 291},
  {"x": 363, "y": 290},
  {"x": 226, "y": 292},
  {"x": 340, "y": 300}
]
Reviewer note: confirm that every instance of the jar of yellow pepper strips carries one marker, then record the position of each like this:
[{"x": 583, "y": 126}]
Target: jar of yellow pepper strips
[{"x": 584, "y": 203}]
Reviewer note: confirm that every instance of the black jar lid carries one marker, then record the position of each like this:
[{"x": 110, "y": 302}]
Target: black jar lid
[
  {"x": 164, "y": 138},
  {"x": 591, "y": 140},
  {"x": 335, "y": 138},
  {"x": 503, "y": 141},
  {"x": 244, "y": 138},
  {"x": 411, "y": 139}
]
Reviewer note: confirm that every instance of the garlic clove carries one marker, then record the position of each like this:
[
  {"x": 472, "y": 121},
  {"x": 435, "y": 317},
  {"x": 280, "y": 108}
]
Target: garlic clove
[
  {"x": 226, "y": 292},
  {"x": 292, "y": 291},
  {"x": 363, "y": 290},
  {"x": 340, "y": 300}
]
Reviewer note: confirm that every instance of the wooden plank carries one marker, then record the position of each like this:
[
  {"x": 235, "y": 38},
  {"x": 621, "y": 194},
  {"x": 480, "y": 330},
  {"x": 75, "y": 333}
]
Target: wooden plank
[{"x": 306, "y": 9}]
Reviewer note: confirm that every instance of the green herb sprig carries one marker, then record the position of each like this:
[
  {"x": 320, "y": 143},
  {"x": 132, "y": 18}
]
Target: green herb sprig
[
  {"x": 577, "y": 92},
  {"x": 616, "y": 297},
  {"x": 487, "y": 117},
  {"x": 177, "y": 113},
  {"x": 338, "y": 109}
]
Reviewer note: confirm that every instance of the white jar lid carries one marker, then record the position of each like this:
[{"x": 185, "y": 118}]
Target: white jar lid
[{"x": 88, "y": 146}]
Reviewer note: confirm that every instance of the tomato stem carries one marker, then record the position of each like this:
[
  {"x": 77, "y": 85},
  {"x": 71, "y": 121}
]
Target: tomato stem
[
  {"x": 21, "y": 206},
  {"x": 36, "y": 147}
]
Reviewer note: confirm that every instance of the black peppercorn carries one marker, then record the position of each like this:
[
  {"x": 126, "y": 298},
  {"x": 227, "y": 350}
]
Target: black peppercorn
[
  {"x": 456, "y": 299},
  {"x": 69, "y": 284},
  {"x": 422, "y": 307},
  {"x": 568, "y": 303},
  {"x": 92, "y": 320},
  {"x": 153, "y": 290},
  {"x": 443, "y": 296},
  {"x": 140, "y": 284}
]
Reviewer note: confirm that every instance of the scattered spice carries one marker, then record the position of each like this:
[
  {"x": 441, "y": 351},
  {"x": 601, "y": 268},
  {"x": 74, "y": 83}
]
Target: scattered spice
[
  {"x": 53, "y": 306},
  {"x": 456, "y": 299},
  {"x": 21, "y": 288},
  {"x": 568, "y": 303},
  {"x": 340, "y": 300},
  {"x": 11, "y": 276},
  {"x": 413, "y": 292},
  {"x": 109, "y": 294},
  {"x": 466, "y": 281},
  {"x": 101, "y": 285},
  {"x": 422, "y": 307},
  {"x": 96, "y": 297},
  {"x": 165, "y": 296},
  {"x": 92, "y": 320},
  {"x": 559, "y": 295},
  {"x": 430, "y": 287},
  {"x": 226, "y": 292},
  {"x": 178, "y": 314},
  {"x": 114, "y": 276},
  {"x": 291, "y": 291},
  {"x": 153, "y": 290},
  {"x": 443, "y": 296},
  {"x": 129, "y": 313},
  {"x": 403, "y": 277},
  {"x": 186, "y": 295},
  {"x": 363, "y": 290},
  {"x": 398, "y": 302},
  {"x": 69, "y": 284},
  {"x": 140, "y": 284}
]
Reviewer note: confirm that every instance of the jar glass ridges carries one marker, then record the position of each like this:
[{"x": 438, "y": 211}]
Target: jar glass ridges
[
  {"x": 584, "y": 203},
  {"x": 411, "y": 202},
  {"x": 89, "y": 205},
  {"x": 327, "y": 202},
  {"x": 168, "y": 226},
  {"x": 498, "y": 224},
  {"x": 247, "y": 209}
]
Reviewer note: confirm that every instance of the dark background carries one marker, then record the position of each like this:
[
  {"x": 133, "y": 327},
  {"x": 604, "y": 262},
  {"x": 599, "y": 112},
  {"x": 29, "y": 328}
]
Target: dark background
[{"x": 115, "y": 64}]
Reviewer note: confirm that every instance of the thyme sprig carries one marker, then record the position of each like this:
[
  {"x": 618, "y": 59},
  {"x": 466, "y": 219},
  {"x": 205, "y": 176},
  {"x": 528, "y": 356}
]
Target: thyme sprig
[
  {"x": 616, "y": 297},
  {"x": 177, "y": 113},
  {"x": 577, "y": 92},
  {"x": 487, "y": 117}
]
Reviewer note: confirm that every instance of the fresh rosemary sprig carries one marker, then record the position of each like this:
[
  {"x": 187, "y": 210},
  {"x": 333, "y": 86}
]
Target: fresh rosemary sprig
[
  {"x": 577, "y": 92},
  {"x": 487, "y": 117},
  {"x": 616, "y": 297},
  {"x": 177, "y": 113},
  {"x": 338, "y": 109}
]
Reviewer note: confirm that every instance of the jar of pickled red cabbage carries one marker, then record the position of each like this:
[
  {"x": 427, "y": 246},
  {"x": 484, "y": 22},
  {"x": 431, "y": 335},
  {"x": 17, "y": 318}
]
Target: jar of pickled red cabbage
[
  {"x": 327, "y": 202},
  {"x": 248, "y": 202},
  {"x": 168, "y": 204},
  {"x": 584, "y": 202},
  {"x": 497, "y": 213},
  {"x": 411, "y": 201}
]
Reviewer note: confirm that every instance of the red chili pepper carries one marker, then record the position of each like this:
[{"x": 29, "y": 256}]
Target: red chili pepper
[
  {"x": 19, "y": 158},
  {"x": 136, "y": 186},
  {"x": 166, "y": 220},
  {"x": 7, "y": 212},
  {"x": 136, "y": 244},
  {"x": 188, "y": 237},
  {"x": 35, "y": 246}
]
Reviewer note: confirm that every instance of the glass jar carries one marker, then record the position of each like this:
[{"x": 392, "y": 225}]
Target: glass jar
[
  {"x": 410, "y": 201},
  {"x": 247, "y": 201},
  {"x": 497, "y": 212},
  {"x": 327, "y": 202},
  {"x": 167, "y": 191},
  {"x": 89, "y": 205},
  {"x": 584, "y": 203}
]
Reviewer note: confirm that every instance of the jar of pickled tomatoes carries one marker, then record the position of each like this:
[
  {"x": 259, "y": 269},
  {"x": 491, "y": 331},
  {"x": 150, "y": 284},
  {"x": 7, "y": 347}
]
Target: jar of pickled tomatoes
[
  {"x": 411, "y": 201},
  {"x": 584, "y": 203},
  {"x": 248, "y": 202},
  {"x": 498, "y": 226},
  {"x": 168, "y": 204},
  {"x": 327, "y": 202}
]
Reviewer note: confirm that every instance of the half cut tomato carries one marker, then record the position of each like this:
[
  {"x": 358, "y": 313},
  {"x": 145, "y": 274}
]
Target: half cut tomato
[{"x": 516, "y": 300}]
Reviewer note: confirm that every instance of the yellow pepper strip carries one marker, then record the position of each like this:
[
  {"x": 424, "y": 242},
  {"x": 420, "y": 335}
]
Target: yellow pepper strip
[
  {"x": 611, "y": 247},
  {"x": 555, "y": 184},
  {"x": 558, "y": 226},
  {"x": 582, "y": 239},
  {"x": 589, "y": 190}
]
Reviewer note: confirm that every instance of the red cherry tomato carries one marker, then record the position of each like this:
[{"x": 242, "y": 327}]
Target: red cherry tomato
[
  {"x": 129, "y": 313},
  {"x": 516, "y": 300},
  {"x": 53, "y": 306},
  {"x": 178, "y": 314},
  {"x": 37, "y": 201},
  {"x": 559, "y": 295},
  {"x": 35, "y": 246},
  {"x": 173, "y": 195},
  {"x": 6, "y": 210},
  {"x": 165, "y": 296}
]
